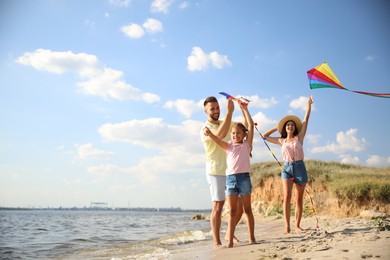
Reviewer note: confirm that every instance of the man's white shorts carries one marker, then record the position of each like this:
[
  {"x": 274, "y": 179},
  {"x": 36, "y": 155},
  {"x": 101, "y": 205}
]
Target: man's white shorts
[{"x": 217, "y": 187}]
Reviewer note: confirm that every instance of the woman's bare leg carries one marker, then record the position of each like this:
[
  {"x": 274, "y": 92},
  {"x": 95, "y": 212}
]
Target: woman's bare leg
[
  {"x": 287, "y": 190},
  {"x": 300, "y": 190}
]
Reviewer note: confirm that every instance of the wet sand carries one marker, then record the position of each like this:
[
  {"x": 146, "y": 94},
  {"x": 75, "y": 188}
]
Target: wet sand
[{"x": 345, "y": 238}]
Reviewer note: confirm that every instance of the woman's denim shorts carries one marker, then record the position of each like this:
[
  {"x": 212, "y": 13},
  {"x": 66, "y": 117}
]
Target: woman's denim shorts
[
  {"x": 239, "y": 183},
  {"x": 295, "y": 171}
]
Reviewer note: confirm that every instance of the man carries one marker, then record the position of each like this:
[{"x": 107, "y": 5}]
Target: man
[{"x": 216, "y": 161}]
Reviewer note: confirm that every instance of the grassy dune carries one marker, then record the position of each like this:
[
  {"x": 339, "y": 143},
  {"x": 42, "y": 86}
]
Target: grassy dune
[{"x": 337, "y": 189}]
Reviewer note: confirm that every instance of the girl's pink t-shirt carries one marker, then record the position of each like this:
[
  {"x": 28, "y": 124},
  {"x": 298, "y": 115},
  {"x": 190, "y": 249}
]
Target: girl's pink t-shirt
[
  {"x": 292, "y": 151},
  {"x": 238, "y": 157}
]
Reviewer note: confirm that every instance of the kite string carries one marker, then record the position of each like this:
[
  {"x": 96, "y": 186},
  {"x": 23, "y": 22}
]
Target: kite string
[
  {"x": 262, "y": 137},
  {"x": 312, "y": 202}
]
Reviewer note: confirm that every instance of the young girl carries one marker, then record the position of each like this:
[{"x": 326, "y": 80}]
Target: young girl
[
  {"x": 238, "y": 182},
  {"x": 292, "y": 132}
]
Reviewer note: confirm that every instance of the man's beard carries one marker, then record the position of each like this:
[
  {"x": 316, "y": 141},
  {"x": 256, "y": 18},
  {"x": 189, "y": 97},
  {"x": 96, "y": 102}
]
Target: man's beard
[{"x": 214, "y": 117}]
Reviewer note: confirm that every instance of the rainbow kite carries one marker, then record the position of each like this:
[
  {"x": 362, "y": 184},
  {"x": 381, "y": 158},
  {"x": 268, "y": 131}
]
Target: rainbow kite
[
  {"x": 322, "y": 76},
  {"x": 240, "y": 100}
]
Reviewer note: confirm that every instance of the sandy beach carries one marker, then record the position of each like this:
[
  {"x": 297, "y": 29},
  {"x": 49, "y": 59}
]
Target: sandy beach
[{"x": 336, "y": 238}]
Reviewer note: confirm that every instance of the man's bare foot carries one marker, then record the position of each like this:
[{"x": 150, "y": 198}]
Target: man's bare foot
[
  {"x": 251, "y": 242},
  {"x": 287, "y": 231}
]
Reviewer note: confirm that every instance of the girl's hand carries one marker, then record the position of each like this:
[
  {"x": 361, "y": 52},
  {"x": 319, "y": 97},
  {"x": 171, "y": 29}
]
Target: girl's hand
[
  {"x": 243, "y": 107},
  {"x": 206, "y": 131},
  {"x": 243, "y": 102},
  {"x": 311, "y": 100}
]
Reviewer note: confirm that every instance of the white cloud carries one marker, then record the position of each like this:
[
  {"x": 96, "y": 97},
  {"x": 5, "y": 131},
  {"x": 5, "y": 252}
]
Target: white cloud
[
  {"x": 376, "y": 160},
  {"x": 87, "y": 151},
  {"x": 89, "y": 23},
  {"x": 345, "y": 141},
  {"x": 104, "y": 82},
  {"x": 313, "y": 139},
  {"x": 179, "y": 147},
  {"x": 199, "y": 60},
  {"x": 63, "y": 150},
  {"x": 370, "y": 58},
  {"x": 152, "y": 25},
  {"x": 187, "y": 107},
  {"x": 85, "y": 65},
  {"x": 347, "y": 159},
  {"x": 301, "y": 103},
  {"x": 137, "y": 31},
  {"x": 263, "y": 122},
  {"x": 184, "y": 106},
  {"x": 120, "y": 3},
  {"x": 184, "y": 5},
  {"x": 219, "y": 61},
  {"x": 109, "y": 85},
  {"x": 105, "y": 169},
  {"x": 133, "y": 30},
  {"x": 160, "y": 6},
  {"x": 139, "y": 132},
  {"x": 256, "y": 101}
]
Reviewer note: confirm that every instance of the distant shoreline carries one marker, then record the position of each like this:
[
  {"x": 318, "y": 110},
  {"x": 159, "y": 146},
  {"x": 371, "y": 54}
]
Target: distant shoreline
[{"x": 108, "y": 209}]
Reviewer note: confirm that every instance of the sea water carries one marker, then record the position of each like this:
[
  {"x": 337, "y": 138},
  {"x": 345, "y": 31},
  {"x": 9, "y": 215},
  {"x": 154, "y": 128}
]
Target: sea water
[{"x": 97, "y": 234}]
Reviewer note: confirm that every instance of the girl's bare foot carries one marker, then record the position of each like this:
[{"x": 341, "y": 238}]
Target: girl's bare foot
[
  {"x": 287, "y": 231},
  {"x": 235, "y": 240},
  {"x": 218, "y": 244}
]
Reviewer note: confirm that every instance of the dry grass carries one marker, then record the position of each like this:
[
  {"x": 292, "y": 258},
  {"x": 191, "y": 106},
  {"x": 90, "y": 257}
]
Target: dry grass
[{"x": 341, "y": 189}]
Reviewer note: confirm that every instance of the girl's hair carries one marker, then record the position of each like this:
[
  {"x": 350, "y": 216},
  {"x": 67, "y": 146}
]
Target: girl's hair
[
  {"x": 240, "y": 125},
  {"x": 284, "y": 132},
  {"x": 243, "y": 128}
]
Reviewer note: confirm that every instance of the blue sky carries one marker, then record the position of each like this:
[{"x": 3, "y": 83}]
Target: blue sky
[{"x": 101, "y": 101}]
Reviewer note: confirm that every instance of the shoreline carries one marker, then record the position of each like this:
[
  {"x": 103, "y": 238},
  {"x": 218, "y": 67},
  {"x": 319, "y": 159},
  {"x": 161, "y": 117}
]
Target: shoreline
[{"x": 336, "y": 238}]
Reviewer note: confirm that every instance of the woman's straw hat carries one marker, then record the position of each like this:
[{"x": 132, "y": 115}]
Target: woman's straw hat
[{"x": 296, "y": 120}]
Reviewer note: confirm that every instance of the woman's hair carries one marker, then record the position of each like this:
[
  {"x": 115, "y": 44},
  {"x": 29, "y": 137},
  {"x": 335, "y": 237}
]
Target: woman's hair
[{"x": 284, "y": 132}]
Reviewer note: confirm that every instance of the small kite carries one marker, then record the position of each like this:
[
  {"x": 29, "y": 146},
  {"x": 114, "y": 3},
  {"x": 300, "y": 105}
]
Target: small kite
[
  {"x": 322, "y": 76},
  {"x": 240, "y": 100}
]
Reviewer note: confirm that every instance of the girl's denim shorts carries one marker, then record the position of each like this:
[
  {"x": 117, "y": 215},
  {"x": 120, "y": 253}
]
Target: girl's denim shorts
[
  {"x": 239, "y": 183},
  {"x": 295, "y": 171}
]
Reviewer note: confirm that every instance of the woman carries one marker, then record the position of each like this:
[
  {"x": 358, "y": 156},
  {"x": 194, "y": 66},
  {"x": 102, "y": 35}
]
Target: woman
[{"x": 292, "y": 132}]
